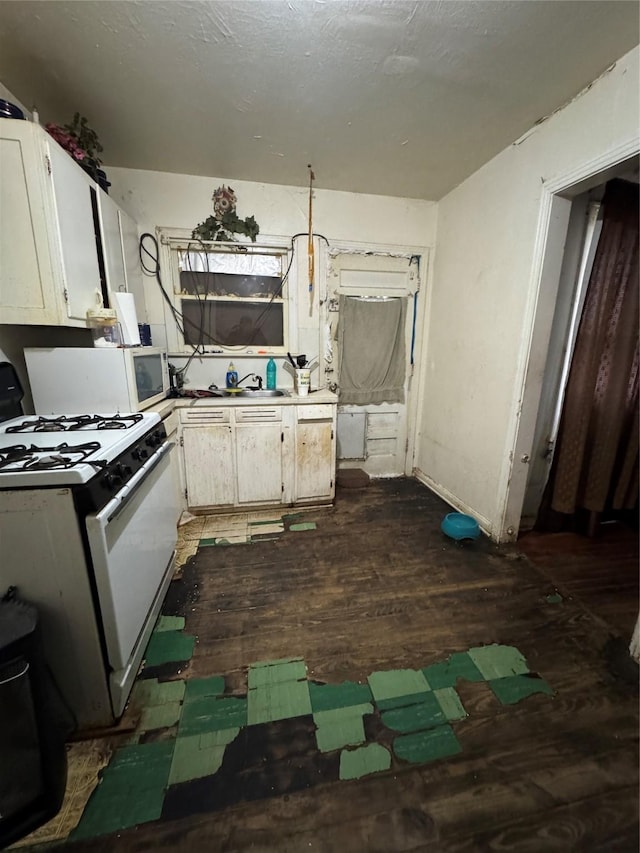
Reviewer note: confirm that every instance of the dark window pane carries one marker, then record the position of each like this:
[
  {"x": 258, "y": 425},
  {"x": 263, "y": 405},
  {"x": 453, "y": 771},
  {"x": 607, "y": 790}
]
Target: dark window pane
[{"x": 218, "y": 323}]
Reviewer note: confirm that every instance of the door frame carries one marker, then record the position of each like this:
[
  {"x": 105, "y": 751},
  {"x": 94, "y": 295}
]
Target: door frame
[
  {"x": 553, "y": 218},
  {"x": 414, "y": 384}
]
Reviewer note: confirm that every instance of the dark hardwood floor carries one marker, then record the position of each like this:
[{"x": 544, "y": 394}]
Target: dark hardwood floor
[
  {"x": 377, "y": 586},
  {"x": 601, "y": 572}
]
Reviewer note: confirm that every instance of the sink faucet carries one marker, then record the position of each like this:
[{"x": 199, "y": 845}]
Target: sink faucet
[{"x": 257, "y": 379}]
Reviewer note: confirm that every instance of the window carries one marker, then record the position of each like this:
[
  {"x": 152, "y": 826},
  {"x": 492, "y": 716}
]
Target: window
[{"x": 231, "y": 296}]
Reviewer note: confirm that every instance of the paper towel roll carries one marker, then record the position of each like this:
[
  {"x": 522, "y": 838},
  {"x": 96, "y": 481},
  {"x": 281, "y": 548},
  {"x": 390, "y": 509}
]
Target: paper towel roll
[{"x": 126, "y": 310}]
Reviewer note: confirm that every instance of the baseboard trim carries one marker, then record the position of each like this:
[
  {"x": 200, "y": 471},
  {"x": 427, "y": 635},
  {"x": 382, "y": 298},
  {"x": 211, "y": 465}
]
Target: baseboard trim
[{"x": 452, "y": 500}]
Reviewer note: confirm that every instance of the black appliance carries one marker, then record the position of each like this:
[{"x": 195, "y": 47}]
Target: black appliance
[
  {"x": 11, "y": 392},
  {"x": 34, "y": 725}
]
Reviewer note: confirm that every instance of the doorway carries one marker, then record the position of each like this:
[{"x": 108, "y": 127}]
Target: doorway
[
  {"x": 558, "y": 196},
  {"x": 588, "y": 404},
  {"x": 374, "y": 435}
]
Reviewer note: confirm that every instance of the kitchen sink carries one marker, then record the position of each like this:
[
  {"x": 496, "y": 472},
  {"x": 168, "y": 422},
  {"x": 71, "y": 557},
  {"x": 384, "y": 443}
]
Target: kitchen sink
[{"x": 263, "y": 392}]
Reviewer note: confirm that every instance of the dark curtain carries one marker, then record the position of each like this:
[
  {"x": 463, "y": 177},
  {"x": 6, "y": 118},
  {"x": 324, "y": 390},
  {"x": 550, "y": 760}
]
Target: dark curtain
[{"x": 595, "y": 467}]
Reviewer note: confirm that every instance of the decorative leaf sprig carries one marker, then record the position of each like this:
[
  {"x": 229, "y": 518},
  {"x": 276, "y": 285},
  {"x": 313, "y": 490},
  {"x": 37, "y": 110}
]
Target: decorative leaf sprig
[{"x": 225, "y": 222}]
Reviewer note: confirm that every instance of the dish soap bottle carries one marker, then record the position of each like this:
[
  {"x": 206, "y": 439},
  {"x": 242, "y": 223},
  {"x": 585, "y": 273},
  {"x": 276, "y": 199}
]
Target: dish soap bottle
[
  {"x": 232, "y": 376},
  {"x": 271, "y": 374}
]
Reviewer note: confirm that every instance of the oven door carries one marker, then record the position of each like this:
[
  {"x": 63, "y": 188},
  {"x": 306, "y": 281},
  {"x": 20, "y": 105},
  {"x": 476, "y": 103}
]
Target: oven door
[{"x": 132, "y": 543}]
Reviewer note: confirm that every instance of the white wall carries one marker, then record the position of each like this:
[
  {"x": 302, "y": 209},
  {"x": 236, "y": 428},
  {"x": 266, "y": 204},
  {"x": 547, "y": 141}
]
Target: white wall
[
  {"x": 481, "y": 316},
  {"x": 158, "y": 199}
]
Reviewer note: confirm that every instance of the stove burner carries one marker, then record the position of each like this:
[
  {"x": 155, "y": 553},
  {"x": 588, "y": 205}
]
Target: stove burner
[
  {"x": 19, "y": 457},
  {"x": 65, "y": 423}
]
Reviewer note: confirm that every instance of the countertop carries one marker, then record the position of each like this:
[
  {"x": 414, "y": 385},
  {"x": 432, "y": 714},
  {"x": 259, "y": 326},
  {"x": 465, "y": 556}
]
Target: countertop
[{"x": 292, "y": 399}]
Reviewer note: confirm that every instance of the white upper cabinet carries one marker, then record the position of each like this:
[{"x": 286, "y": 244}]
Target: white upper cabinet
[
  {"x": 50, "y": 257},
  {"x": 49, "y": 272}
]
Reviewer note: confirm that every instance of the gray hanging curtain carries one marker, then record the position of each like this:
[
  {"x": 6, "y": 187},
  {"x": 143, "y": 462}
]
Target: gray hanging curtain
[{"x": 372, "y": 351}]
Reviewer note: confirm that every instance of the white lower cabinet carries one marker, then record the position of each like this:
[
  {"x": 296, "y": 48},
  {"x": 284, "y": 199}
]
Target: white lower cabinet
[
  {"x": 315, "y": 455},
  {"x": 258, "y": 455},
  {"x": 259, "y": 463},
  {"x": 209, "y": 468}
]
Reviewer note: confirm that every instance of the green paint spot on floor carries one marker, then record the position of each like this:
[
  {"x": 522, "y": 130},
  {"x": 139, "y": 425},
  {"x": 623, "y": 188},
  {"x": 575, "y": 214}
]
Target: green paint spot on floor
[
  {"x": 207, "y": 543},
  {"x": 414, "y": 718},
  {"x": 204, "y": 715},
  {"x": 450, "y": 703},
  {"x": 420, "y": 747},
  {"x": 325, "y": 697},
  {"x": 276, "y": 673},
  {"x": 169, "y": 623},
  {"x": 196, "y": 756},
  {"x": 446, "y": 673},
  {"x": 160, "y": 716},
  {"x": 143, "y": 765},
  {"x": 275, "y": 662},
  {"x": 397, "y": 682},
  {"x": 278, "y": 702},
  {"x": 131, "y": 790},
  {"x": 112, "y": 808},
  {"x": 150, "y": 692},
  {"x": 355, "y": 763},
  {"x": 168, "y": 646},
  {"x": 498, "y": 661},
  {"x": 402, "y": 701},
  {"x": 513, "y": 688},
  {"x": 555, "y": 598},
  {"x": 341, "y": 727},
  {"x": 303, "y": 525},
  {"x": 325, "y": 718},
  {"x": 277, "y": 521},
  {"x": 198, "y": 688}
]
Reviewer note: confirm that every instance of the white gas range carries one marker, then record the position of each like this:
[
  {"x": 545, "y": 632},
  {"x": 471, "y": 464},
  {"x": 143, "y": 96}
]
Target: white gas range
[{"x": 87, "y": 534}]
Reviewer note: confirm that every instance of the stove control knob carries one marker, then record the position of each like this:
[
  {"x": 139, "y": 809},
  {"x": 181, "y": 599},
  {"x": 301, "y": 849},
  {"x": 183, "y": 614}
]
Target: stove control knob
[
  {"x": 154, "y": 439},
  {"x": 139, "y": 453},
  {"x": 109, "y": 480}
]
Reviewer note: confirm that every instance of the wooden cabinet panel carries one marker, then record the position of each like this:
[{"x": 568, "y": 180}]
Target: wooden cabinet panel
[
  {"x": 209, "y": 465},
  {"x": 315, "y": 460},
  {"x": 259, "y": 463},
  {"x": 26, "y": 274}
]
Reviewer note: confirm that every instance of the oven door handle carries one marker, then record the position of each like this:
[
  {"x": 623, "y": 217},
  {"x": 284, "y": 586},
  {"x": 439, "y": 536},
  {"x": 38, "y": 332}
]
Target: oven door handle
[{"x": 130, "y": 489}]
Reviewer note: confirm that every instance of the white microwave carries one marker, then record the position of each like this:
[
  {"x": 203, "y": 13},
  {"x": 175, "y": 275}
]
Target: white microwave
[{"x": 78, "y": 380}]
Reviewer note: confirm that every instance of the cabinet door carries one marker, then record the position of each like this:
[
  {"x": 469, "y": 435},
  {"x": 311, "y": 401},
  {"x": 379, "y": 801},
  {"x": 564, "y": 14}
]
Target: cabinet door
[
  {"x": 259, "y": 463},
  {"x": 27, "y": 293},
  {"x": 72, "y": 191},
  {"x": 315, "y": 460},
  {"x": 208, "y": 465},
  {"x": 111, "y": 244},
  {"x": 132, "y": 268}
]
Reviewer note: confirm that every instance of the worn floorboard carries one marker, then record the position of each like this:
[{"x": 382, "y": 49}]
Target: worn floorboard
[{"x": 377, "y": 586}]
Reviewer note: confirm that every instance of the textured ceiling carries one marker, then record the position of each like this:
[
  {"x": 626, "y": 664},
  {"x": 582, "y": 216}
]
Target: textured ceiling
[{"x": 396, "y": 98}]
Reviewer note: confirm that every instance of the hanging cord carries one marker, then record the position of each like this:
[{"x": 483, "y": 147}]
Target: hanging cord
[
  {"x": 154, "y": 270},
  {"x": 310, "y": 250}
]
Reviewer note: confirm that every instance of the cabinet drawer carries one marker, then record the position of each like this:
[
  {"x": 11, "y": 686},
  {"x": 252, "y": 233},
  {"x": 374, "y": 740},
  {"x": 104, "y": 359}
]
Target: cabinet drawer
[
  {"x": 205, "y": 416},
  {"x": 171, "y": 422},
  {"x": 318, "y": 412},
  {"x": 259, "y": 415}
]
